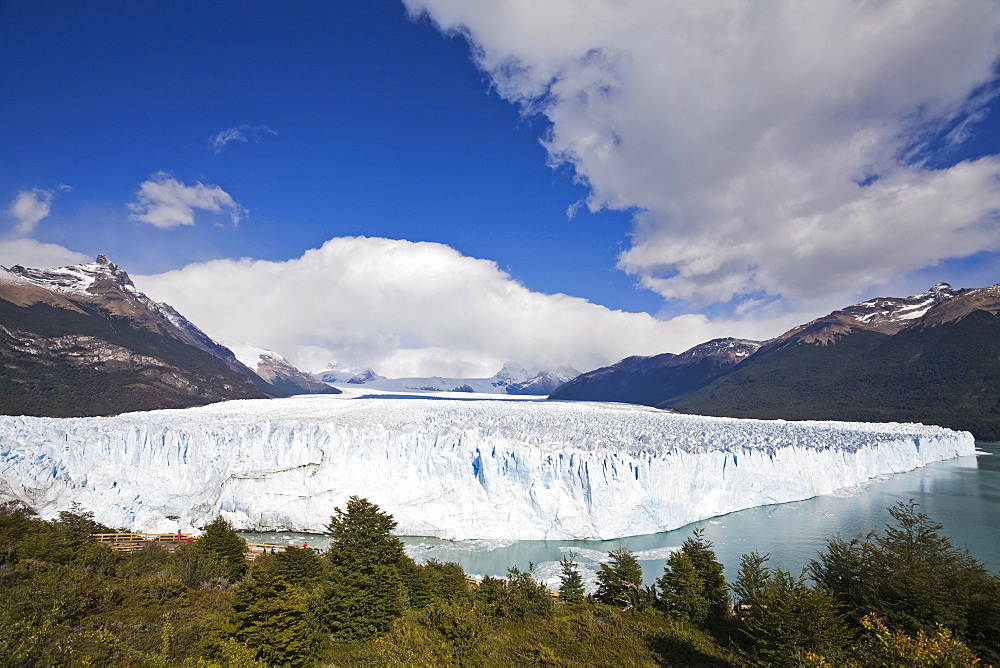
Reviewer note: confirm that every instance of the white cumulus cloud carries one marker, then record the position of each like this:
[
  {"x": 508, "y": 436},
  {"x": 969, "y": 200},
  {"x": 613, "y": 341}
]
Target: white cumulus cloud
[
  {"x": 413, "y": 309},
  {"x": 163, "y": 201},
  {"x": 240, "y": 133},
  {"x": 767, "y": 148}
]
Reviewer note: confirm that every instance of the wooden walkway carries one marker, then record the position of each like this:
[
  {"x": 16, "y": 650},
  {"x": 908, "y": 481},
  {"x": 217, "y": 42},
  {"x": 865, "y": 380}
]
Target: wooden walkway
[{"x": 130, "y": 542}]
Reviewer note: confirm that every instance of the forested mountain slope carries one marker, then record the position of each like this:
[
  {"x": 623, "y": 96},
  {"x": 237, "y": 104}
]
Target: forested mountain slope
[
  {"x": 932, "y": 358},
  {"x": 652, "y": 380}
]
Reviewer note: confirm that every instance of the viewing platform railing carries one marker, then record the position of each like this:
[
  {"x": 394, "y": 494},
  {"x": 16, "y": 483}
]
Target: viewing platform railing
[{"x": 130, "y": 542}]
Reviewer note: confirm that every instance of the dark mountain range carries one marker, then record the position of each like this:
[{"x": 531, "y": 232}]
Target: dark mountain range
[
  {"x": 82, "y": 340},
  {"x": 652, "y": 380},
  {"x": 932, "y": 358}
]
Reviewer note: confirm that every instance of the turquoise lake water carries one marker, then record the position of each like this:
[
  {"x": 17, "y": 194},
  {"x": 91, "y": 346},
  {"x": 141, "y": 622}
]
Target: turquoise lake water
[{"x": 963, "y": 494}]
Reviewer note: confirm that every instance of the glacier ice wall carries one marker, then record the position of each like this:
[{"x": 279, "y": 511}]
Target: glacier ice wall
[{"x": 448, "y": 468}]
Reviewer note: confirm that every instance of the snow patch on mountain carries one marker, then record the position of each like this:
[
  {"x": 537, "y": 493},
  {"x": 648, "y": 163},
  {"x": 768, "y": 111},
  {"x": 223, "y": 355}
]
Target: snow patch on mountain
[
  {"x": 278, "y": 371},
  {"x": 334, "y": 373},
  {"x": 452, "y": 469},
  {"x": 252, "y": 355}
]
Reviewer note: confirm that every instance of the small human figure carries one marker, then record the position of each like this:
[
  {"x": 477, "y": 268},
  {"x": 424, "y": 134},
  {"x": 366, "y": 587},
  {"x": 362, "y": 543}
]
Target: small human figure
[
  {"x": 305, "y": 544},
  {"x": 179, "y": 537},
  {"x": 188, "y": 539},
  {"x": 272, "y": 549}
]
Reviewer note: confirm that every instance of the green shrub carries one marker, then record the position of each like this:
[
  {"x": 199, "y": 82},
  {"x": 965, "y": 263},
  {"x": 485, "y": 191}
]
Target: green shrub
[{"x": 221, "y": 540}]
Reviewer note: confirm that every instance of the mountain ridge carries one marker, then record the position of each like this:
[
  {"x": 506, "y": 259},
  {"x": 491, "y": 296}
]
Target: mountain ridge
[
  {"x": 651, "y": 380},
  {"x": 932, "y": 357}
]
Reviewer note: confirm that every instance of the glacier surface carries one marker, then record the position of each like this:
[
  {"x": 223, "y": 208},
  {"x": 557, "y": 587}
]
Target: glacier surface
[{"x": 449, "y": 468}]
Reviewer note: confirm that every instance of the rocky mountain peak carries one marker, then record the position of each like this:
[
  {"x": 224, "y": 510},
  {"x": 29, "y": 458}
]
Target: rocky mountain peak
[
  {"x": 725, "y": 351},
  {"x": 95, "y": 277}
]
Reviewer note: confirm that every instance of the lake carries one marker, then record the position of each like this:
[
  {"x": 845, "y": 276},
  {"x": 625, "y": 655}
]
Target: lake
[{"x": 963, "y": 494}]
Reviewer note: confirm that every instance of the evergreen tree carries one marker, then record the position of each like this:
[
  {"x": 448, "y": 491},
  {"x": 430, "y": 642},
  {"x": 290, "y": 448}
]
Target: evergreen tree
[
  {"x": 570, "y": 583},
  {"x": 300, "y": 566},
  {"x": 434, "y": 582},
  {"x": 220, "y": 539},
  {"x": 362, "y": 535},
  {"x": 199, "y": 568},
  {"x": 916, "y": 573},
  {"x": 516, "y": 597},
  {"x": 682, "y": 590},
  {"x": 489, "y": 593},
  {"x": 710, "y": 570},
  {"x": 792, "y": 620},
  {"x": 619, "y": 581},
  {"x": 751, "y": 580},
  {"x": 269, "y": 617},
  {"x": 913, "y": 578},
  {"x": 842, "y": 570},
  {"x": 66, "y": 540},
  {"x": 364, "y": 590}
]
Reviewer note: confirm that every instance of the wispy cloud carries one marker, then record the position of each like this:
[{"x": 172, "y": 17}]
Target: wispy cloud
[
  {"x": 738, "y": 133},
  {"x": 28, "y": 208},
  {"x": 241, "y": 133},
  {"x": 165, "y": 202}
]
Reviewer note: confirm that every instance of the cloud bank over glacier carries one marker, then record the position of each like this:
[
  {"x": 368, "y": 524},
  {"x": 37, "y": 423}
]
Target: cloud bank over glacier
[
  {"x": 411, "y": 309},
  {"x": 768, "y": 151}
]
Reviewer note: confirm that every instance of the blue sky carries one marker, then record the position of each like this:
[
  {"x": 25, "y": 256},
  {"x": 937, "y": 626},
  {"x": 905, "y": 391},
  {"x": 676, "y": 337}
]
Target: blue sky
[
  {"x": 383, "y": 128},
  {"x": 717, "y": 186}
]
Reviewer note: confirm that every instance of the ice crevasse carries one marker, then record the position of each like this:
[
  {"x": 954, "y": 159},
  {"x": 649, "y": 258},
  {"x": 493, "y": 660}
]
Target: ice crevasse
[{"x": 448, "y": 468}]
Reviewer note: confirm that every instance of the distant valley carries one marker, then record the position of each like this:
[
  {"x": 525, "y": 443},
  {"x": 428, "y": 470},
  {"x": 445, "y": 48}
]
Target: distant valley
[{"x": 511, "y": 379}]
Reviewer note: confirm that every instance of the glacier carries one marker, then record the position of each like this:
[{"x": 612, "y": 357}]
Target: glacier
[{"x": 450, "y": 468}]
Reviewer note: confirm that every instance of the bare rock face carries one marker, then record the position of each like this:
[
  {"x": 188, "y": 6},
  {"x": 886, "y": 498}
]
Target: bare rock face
[{"x": 83, "y": 340}]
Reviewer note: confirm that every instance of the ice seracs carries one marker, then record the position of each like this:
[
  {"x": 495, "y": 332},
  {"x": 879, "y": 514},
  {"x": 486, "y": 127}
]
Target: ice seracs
[{"x": 452, "y": 469}]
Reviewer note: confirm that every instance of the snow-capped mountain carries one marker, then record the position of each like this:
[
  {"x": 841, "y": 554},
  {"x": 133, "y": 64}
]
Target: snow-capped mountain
[
  {"x": 511, "y": 379},
  {"x": 334, "y": 373},
  {"x": 455, "y": 469},
  {"x": 891, "y": 313},
  {"x": 886, "y": 315},
  {"x": 518, "y": 380},
  {"x": 278, "y": 371},
  {"x": 83, "y": 340}
]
